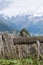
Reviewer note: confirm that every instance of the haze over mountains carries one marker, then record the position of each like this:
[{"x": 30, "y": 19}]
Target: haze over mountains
[{"x": 29, "y": 22}]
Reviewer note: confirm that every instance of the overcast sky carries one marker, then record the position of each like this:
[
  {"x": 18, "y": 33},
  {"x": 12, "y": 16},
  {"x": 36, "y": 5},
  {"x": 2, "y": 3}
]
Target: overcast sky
[{"x": 15, "y": 7}]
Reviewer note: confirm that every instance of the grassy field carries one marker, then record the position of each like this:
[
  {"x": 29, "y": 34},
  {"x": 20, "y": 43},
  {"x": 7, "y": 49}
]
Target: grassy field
[{"x": 27, "y": 61}]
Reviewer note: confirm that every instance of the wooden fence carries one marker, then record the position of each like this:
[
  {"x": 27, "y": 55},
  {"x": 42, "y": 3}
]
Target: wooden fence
[{"x": 20, "y": 47}]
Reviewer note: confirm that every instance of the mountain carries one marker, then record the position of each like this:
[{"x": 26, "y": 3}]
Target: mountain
[
  {"x": 36, "y": 25},
  {"x": 3, "y": 27},
  {"x": 29, "y": 22},
  {"x": 5, "y": 24}
]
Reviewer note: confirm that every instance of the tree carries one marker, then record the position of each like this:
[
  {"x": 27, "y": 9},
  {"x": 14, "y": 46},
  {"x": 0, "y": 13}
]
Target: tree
[{"x": 24, "y": 32}]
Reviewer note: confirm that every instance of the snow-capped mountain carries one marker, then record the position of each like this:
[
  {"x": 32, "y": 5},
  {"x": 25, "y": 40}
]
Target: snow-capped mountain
[{"x": 29, "y": 22}]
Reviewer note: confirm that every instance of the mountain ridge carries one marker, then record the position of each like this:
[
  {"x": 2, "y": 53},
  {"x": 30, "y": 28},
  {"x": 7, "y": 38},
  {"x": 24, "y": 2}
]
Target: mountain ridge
[{"x": 30, "y": 23}]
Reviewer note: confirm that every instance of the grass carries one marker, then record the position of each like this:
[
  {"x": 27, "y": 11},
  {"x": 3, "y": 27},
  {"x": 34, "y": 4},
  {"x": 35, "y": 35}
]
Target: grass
[{"x": 27, "y": 61}]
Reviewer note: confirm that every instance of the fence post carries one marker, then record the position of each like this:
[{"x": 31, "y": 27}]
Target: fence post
[{"x": 38, "y": 46}]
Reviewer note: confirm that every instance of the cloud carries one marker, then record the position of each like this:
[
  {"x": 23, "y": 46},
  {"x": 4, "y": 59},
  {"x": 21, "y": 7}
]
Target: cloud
[
  {"x": 15, "y": 7},
  {"x": 4, "y": 3}
]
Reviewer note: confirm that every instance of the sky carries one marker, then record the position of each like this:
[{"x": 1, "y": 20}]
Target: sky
[{"x": 15, "y": 7}]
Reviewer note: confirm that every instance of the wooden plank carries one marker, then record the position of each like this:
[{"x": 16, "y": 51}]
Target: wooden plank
[
  {"x": 1, "y": 46},
  {"x": 26, "y": 40},
  {"x": 8, "y": 45}
]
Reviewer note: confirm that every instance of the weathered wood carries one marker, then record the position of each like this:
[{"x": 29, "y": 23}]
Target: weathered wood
[
  {"x": 26, "y": 40},
  {"x": 1, "y": 46},
  {"x": 39, "y": 49},
  {"x": 8, "y": 46},
  {"x": 18, "y": 47},
  {"x": 38, "y": 45}
]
